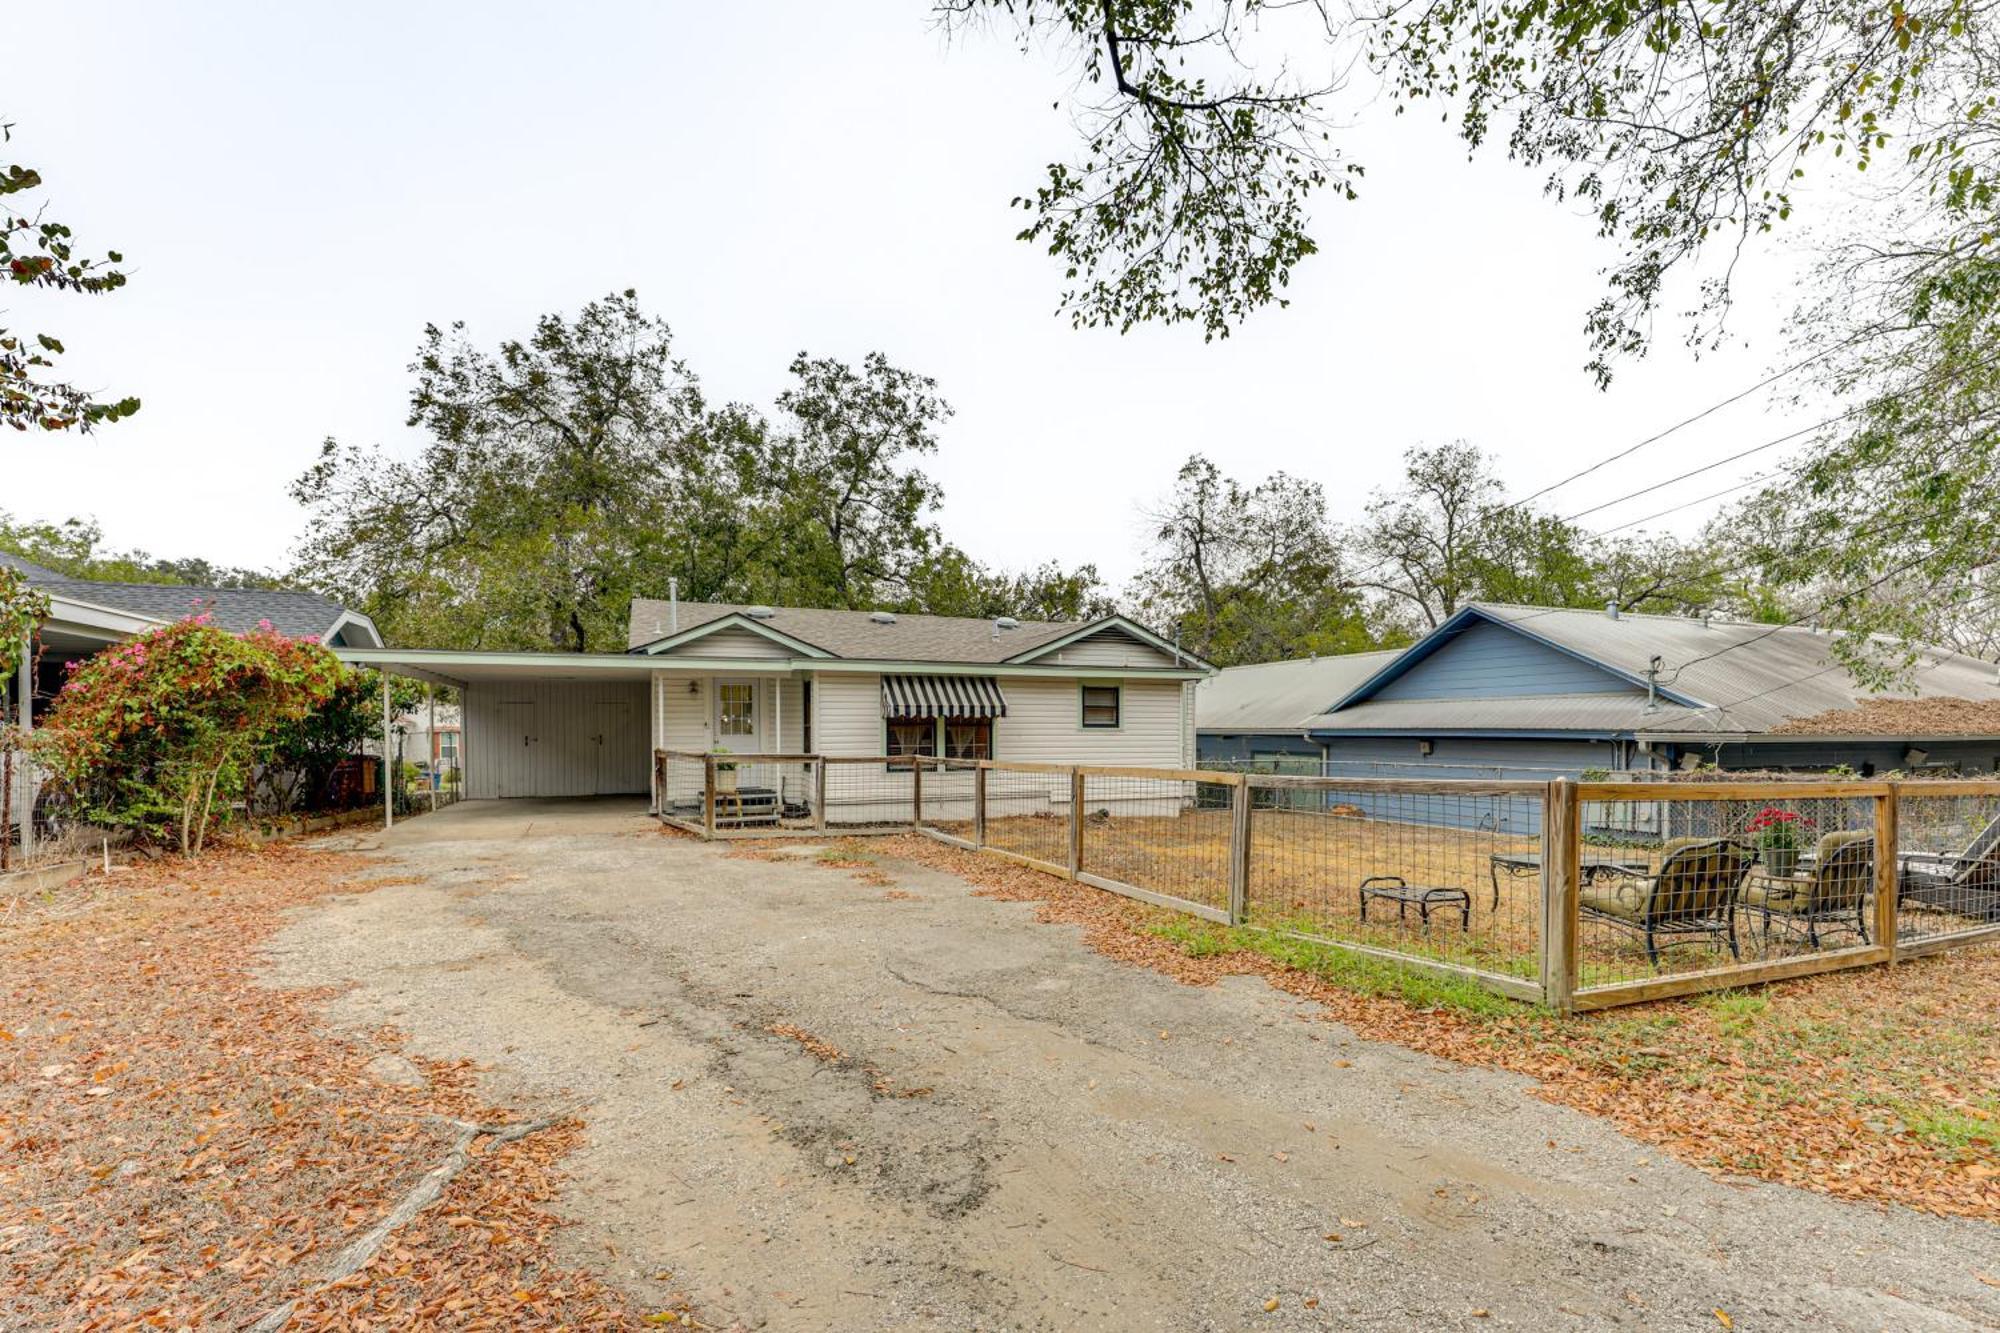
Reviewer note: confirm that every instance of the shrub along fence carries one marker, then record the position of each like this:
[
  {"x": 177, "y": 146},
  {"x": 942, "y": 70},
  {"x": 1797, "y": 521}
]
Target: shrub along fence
[{"x": 1575, "y": 895}]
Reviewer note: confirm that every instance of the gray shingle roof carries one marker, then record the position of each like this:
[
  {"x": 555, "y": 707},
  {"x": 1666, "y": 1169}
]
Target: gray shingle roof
[
  {"x": 1281, "y": 696},
  {"x": 1745, "y": 678},
  {"x": 852, "y": 634},
  {"x": 36, "y": 573},
  {"x": 238, "y": 610}
]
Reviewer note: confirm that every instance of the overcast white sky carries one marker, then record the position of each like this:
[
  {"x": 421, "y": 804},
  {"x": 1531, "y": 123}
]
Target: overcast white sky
[{"x": 297, "y": 190}]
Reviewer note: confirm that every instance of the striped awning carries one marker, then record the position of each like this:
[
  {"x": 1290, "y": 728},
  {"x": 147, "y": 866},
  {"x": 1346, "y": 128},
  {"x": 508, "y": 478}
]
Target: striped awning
[{"x": 942, "y": 696}]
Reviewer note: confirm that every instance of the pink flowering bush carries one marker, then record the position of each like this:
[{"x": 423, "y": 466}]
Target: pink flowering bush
[{"x": 161, "y": 732}]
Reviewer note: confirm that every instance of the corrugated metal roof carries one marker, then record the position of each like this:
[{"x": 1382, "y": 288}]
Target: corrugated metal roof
[
  {"x": 1281, "y": 696},
  {"x": 1747, "y": 678},
  {"x": 911, "y": 638}
]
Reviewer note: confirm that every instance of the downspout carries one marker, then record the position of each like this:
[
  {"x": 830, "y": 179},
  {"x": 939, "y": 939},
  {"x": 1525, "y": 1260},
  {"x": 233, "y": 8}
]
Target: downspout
[{"x": 673, "y": 606}]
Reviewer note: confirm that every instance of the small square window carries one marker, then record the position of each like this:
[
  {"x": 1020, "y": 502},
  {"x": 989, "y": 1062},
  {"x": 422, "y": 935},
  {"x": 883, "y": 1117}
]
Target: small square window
[{"x": 1100, "y": 705}]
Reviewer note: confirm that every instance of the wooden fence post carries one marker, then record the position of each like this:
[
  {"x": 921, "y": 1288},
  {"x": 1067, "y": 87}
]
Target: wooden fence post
[
  {"x": 1560, "y": 856},
  {"x": 1239, "y": 851},
  {"x": 916, "y": 793},
  {"x": 708, "y": 796},
  {"x": 1075, "y": 822},
  {"x": 819, "y": 792},
  {"x": 979, "y": 806},
  {"x": 1888, "y": 867}
]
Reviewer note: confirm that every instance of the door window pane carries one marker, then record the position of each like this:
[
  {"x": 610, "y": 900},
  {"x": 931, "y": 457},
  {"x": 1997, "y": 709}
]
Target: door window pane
[{"x": 736, "y": 708}]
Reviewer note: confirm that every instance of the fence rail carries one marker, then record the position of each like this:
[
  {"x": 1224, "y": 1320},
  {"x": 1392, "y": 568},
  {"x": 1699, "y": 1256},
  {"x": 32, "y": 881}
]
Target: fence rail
[{"x": 1578, "y": 895}]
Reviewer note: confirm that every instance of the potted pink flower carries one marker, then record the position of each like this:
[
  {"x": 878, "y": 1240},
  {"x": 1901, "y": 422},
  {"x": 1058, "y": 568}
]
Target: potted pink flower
[{"x": 1779, "y": 835}]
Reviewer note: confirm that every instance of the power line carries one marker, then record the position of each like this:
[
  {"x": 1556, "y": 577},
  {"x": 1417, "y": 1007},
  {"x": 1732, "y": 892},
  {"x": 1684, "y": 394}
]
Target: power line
[{"x": 1708, "y": 411}]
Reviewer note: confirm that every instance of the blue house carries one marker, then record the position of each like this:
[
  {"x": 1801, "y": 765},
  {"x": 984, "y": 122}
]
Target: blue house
[{"x": 1500, "y": 691}]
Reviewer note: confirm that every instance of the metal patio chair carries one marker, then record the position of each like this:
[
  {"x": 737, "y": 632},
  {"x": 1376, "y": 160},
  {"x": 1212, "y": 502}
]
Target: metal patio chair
[{"x": 1692, "y": 894}]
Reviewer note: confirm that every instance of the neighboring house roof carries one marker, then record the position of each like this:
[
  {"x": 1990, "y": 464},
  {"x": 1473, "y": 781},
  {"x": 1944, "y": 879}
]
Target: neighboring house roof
[
  {"x": 35, "y": 572},
  {"x": 239, "y": 610},
  {"x": 1281, "y": 696},
  {"x": 1718, "y": 678},
  {"x": 1901, "y": 717},
  {"x": 858, "y": 635}
]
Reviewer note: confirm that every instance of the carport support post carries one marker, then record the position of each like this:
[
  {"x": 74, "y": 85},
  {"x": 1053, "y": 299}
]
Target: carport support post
[
  {"x": 430, "y": 698},
  {"x": 388, "y": 785}
]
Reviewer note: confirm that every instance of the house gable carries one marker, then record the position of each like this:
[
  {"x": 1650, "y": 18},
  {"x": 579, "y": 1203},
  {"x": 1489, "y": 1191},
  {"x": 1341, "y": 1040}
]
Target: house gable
[
  {"x": 733, "y": 636},
  {"x": 1114, "y": 643},
  {"x": 1474, "y": 655}
]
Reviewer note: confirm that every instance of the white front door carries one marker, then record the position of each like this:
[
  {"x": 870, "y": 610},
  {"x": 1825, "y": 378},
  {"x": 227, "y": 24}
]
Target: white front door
[{"x": 739, "y": 721}]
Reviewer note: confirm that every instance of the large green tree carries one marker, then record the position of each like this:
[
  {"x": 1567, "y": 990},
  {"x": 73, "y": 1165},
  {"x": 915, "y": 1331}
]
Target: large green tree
[
  {"x": 1444, "y": 537},
  {"x": 1248, "y": 572},
  {"x": 566, "y": 473},
  {"x": 39, "y": 252}
]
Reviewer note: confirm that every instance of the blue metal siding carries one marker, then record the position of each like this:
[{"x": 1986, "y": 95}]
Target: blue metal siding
[{"x": 1486, "y": 659}]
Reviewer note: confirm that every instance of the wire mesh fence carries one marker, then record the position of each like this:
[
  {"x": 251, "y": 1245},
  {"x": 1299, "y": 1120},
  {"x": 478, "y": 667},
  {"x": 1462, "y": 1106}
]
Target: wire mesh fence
[
  {"x": 1721, "y": 881},
  {"x": 1582, "y": 894},
  {"x": 1028, "y": 812},
  {"x": 869, "y": 794},
  {"x": 950, "y": 798},
  {"x": 1948, "y": 861},
  {"x": 1160, "y": 834},
  {"x": 1443, "y": 872}
]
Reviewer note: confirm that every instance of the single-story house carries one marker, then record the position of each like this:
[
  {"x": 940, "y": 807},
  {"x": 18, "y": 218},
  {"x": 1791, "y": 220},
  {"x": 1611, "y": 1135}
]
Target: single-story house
[
  {"x": 86, "y": 616},
  {"x": 756, "y": 680},
  {"x": 1522, "y": 691}
]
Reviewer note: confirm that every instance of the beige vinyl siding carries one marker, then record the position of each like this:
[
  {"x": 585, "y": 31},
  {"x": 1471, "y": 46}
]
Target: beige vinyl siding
[
  {"x": 734, "y": 643},
  {"x": 535, "y": 739},
  {"x": 1107, "y": 648},
  {"x": 1044, "y": 724}
]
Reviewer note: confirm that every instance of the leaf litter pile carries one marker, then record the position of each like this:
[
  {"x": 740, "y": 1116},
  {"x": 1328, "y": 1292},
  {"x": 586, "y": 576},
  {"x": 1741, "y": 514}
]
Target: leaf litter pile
[
  {"x": 182, "y": 1147},
  {"x": 1877, "y": 1084}
]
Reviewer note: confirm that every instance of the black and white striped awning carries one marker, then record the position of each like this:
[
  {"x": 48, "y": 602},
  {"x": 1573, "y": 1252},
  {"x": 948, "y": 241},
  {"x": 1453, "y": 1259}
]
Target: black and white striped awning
[{"x": 942, "y": 696}]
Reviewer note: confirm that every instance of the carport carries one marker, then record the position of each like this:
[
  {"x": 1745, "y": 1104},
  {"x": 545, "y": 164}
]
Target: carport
[{"x": 540, "y": 725}]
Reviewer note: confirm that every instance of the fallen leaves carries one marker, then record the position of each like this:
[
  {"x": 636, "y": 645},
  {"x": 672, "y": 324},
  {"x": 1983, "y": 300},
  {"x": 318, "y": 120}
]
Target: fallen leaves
[{"x": 225, "y": 1147}]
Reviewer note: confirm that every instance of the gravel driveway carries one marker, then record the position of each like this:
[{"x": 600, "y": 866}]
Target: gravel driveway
[{"x": 1021, "y": 1134}]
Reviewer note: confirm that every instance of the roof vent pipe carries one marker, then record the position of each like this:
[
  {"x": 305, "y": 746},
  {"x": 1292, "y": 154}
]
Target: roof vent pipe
[
  {"x": 673, "y": 606},
  {"x": 1611, "y": 610}
]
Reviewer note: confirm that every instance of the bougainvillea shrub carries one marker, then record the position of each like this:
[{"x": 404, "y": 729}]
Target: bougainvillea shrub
[{"x": 161, "y": 733}]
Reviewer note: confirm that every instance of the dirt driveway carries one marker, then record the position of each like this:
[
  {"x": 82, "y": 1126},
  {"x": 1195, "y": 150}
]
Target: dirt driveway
[{"x": 1020, "y": 1134}]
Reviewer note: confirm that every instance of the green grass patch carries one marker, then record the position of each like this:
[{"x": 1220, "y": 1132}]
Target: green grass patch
[
  {"x": 1950, "y": 1129},
  {"x": 1340, "y": 967}
]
